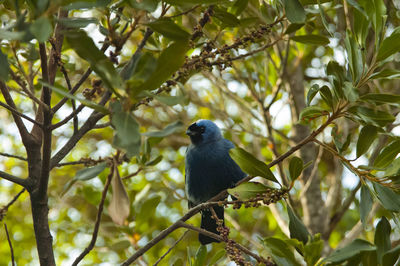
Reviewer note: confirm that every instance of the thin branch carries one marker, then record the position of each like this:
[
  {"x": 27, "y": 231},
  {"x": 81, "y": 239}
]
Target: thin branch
[
  {"x": 10, "y": 244},
  {"x": 15, "y": 112},
  {"x": 26, "y": 137},
  {"x": 13, "y": 200},
  {"x": 98, "y": 220},
  {"x": 107, "y": 124},
  {"x": 69, "y": 117},
  {"x": 171, "y": 248},
  {"x": 26, "y": 90},
  {"x": 13, "y": 156},
  {"x": 14, "y": 179}
]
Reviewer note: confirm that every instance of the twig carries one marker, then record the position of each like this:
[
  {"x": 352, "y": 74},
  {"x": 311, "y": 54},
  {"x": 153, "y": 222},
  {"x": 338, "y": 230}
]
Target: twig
[
  {"x": 107, "y": 124},
  {"x": 98, "y": 220},
  {"x": 215, "y": 236},
  {"x": 13, "y": 156},
  {"x": 4, "y": 209},
  {"x": 69, "y": 117},
  {"x": 14, "y": 111},
  {"x": 172, "y": 247},
  {"x": 10, "y": 244},
  {"x": 133, "y": 174},
  {"x": 26, "y": 90},
  {"x": 184, "y": 12}
]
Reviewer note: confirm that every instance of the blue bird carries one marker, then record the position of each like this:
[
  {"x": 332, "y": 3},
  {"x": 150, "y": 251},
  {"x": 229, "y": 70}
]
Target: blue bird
[{"x": 209, "y": 169}]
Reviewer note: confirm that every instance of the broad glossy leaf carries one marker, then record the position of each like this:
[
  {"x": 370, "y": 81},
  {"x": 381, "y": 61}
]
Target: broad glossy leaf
[
  {"x": 355, "y": 58},
  {"x": 119, "y": 207},
  {"x": 326, "y": 95},
  {"x": 360, "y": 26},
  {"x": 294, "y": 11},
  {"x": 41, "y": 28},
  {"x": 127, "y": 136},
  {"x": 251, "y": 165},
  {"x": 387, "y": 155},
  {"x": 248, "y": 190},
  {"x": 148, "y": 5},
  {"x": 296, "y": 227},
  {"x": 312, "y": 92},
  {"x": 295, "y": 167},
  {"x": 313, "y": 251},
  {"x": 4, "y": 67},
  {"x": 280, "y": 252},
  {"x": 381, "y": 98},
  {"x": 324, "y": 20},
  {"x": 85, "y": 48},
  {"x": 382, "y": 237},
  {"x": 365, "y": 204},
  {"x": 170, "y": 60},
  {"x": 168, "y": 130},
  {"x": 366, "y": 138},
  {"x": 371, "y": 116},
  {"x": 200, "y": 257},
  {"x": 169, "y": 29},
  {"x": 77, "y": 22},
  {"x": 388, "y": 198},
  {"x": 128, "y": 70},
  {"x": 227, "y": 19},
  {"x": 311, "y": 39},
  {"x": 312, "y": 112},
  {"x": 350, "y": 251},
  {"x": 386, "y": 74},
  {"x": 391, "y": 256},
  {"x": 218, "y": 256},
  {"x": 293, "y": 27}
]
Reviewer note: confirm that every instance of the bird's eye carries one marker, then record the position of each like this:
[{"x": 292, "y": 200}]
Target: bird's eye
[{"x": 202, "y": 129}]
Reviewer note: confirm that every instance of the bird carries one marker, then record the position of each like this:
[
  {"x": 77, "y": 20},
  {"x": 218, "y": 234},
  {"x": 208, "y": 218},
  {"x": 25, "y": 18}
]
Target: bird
[{"x": 209, "y": 169}]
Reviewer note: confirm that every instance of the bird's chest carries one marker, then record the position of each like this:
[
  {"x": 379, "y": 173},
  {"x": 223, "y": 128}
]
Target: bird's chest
[{"x": 207, "y": 173}]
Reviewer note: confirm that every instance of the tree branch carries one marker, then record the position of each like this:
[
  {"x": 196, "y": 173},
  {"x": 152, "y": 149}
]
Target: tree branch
[
  {"x": 98, "y": 219},
  {"x": 15, "y": 112},
  {"x": 13, "y": 156},
  {"x": 14, "y": 179},
  {"x": 171, "y": 248},
  {"x": 10, "y": 245}
]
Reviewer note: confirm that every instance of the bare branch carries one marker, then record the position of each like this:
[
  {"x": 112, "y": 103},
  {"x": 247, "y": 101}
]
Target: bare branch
[
  {"x": 13, "y": 200},
  {"x": 171, "y": 248},
  {"x": 10, "y": 244},
  {"x": 20, "y": 114},
  {"x": 13, "y": 156},
  {"x": 69, "y": 117},
  {"x": 98, "y": 219},
  {"x": 14, "y": 179}
]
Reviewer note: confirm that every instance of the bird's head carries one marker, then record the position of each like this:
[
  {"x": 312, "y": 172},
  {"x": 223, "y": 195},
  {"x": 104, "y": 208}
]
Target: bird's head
[{"x": 203, "y": 131}]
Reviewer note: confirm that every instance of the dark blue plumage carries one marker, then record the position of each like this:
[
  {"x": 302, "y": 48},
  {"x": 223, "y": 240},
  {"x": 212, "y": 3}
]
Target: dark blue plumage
[{"x": 209, "y": 170}]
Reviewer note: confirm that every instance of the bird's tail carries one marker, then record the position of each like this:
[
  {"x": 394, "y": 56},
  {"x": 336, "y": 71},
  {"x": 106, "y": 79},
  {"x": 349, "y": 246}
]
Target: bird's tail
[{"x": 208, "y": 223}]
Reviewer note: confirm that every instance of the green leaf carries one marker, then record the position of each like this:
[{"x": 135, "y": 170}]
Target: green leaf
[
  {"x": 280, "y": 252},
  {"x": 84, "y": 175},
  {"x": 296, "y": 227},
  {"x": 365, "y": 204},
  {"x": 313, "y": 251},
  {"x": 311, "y": 93},
  {"x": 127, "y": 136},
  {"x": 293, "y": 27},
  {"x": 381, "y": 98},
  {"x": 338, "y": 73},
  {"x": 312, "y": 112},
  {"x": 354, "y": 249},
  {"x": 42, "y": 29},
  {"x": 311, "y": 39},
  {"x": 148, "y": 5},
  {"x": 295, "y": 168},
  {"x": 4, "y": 67},
  {"x": 388, "y": 198},
  {"x": 170, "y": 60},
  {"x": 146, "y": 208},
  {"x": 382, "y": 238},
  {"x": 326, "y": 95},
  {"x": 12, "y": 35},
  {"x": 238, "y": 7},
  {"x": 386, "y": 74},
  {"x": 86, "y": 49},
  {"x": 387, "y": 155},
  {"x": 248, "y": 190},
  {"x": 391, "y": 256},
  {"x": 196, "y": 2},
  {"x": 371, "y": 116},
  {"x": 168, "y": 130},
  {"x": 200, "y": 257},
  {"x": 128, "y": 70},
  {"x": 169, "y": 29},
  {"x": 355, "y": 58},
  {"x": 294, "y": 11},
  {"x": 218, "y": 256},
  {"x": 251, "y": 165},
  {"x": 323, "y": 18},
  {"x": 64, "y": 92},
  {"x": 227, "y": 19},
  {"x": 77, "y": 22},
  {"x": 360, "y": 26},
  {"x": 365, "y": 139}
]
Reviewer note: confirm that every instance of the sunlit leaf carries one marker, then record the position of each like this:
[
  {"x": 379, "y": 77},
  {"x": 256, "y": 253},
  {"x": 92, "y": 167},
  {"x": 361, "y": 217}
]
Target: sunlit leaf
[
  {"x": 312, "y": 92},
  {"x": 251, "y": 165},
  {"x": 295, "y": 167},
  {"x": 280, "y": 252},
  {"x": 312, "y": 112},
  {"x": 169, "y": 29},
  {"x": 77, "y": 22},
  {"x": 248, "y": 190},
  {"x": 387, "y": 155},
  {"x": 200, "y": 257}
]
